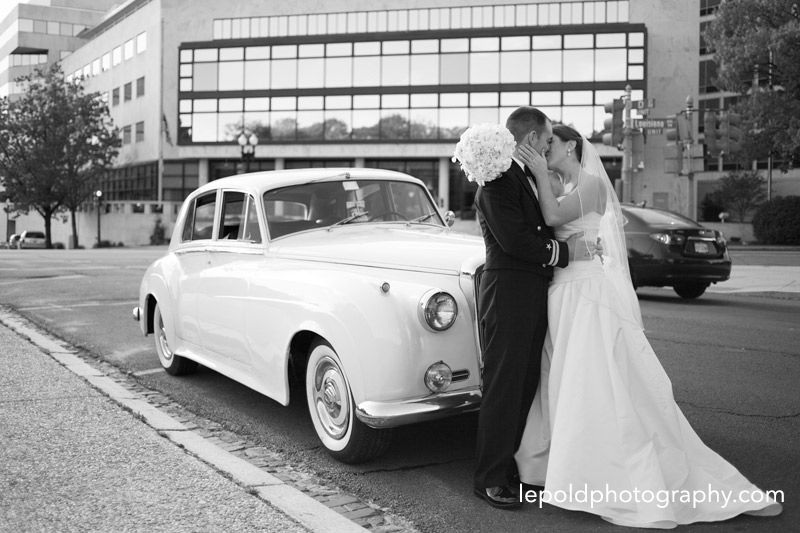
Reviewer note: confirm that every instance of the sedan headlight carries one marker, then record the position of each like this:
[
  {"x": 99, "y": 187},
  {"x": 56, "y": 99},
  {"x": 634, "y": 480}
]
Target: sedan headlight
[{"x": 437, "y": 310}]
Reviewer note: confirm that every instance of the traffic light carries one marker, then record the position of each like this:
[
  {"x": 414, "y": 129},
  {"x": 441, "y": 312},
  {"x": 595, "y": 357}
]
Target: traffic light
[
  {"x": 672, "y": 131},
  {"x": 730, "y": 135},
  {"x": 710, "y": 121},
  {"x": 637, "y": 149},
  {"x": 614, "y": 123}
]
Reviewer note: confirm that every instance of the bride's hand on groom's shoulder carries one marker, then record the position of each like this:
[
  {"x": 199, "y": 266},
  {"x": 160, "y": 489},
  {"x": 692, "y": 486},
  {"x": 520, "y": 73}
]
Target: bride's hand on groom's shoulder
[
  {"x": 535, "y": 161},
  {"x": 581, "y": 249}
]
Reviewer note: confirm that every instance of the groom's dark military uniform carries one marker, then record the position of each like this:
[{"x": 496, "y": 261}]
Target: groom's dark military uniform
[{"x": 512, "y": 304}]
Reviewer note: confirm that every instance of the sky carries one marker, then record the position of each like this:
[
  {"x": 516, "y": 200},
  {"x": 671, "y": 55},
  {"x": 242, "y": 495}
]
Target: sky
[{"x": 6, "y": 6}]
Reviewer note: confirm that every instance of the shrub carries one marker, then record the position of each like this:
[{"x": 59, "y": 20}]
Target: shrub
[
  {"x": 158, "y": 237},
  {"x": 778, "y": 221}
]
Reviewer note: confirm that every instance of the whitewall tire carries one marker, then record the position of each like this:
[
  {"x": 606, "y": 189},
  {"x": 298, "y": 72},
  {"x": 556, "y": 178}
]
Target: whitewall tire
[{"x": 172, "y": 363}]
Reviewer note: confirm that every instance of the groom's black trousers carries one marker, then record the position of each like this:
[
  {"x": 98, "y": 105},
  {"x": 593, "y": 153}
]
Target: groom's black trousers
[{"x": 513, "y": 319}]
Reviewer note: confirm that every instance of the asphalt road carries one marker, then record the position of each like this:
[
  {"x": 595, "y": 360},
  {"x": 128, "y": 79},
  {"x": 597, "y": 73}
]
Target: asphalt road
[{"x": 733, "y": 360}]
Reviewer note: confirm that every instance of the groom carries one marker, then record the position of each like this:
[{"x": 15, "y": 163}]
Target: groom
[{"x": 512, "y": 302}]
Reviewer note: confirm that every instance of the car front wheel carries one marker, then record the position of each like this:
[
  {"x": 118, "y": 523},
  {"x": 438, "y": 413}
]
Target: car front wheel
[
  {"x": 173, "y": 364},
  {"x": 690, "y": 290},
  {"x": 332, "y": 409}
]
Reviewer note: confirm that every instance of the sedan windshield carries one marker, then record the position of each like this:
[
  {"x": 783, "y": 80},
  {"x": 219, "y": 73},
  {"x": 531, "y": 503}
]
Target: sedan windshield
[{"x": 330, "y": 204}]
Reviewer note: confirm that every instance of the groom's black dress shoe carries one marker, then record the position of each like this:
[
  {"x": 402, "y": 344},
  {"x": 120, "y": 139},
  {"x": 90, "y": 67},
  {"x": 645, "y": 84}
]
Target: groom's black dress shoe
[{"x": 499, "y": 497}]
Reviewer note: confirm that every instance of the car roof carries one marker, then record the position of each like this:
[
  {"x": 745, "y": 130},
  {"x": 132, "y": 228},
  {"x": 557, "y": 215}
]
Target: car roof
[
  {"x": 641, "y": 214},
  {"x": 258, "y": 182}
]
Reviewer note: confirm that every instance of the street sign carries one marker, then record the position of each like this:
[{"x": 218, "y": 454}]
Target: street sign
[
  {"x": 643, "y": 104},
  {"x": 653, "y": 123},
  {"x": 653, "y": 131}
]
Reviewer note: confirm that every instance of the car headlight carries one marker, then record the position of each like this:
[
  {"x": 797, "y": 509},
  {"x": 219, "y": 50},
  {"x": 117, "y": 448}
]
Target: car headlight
[
  {"x": 437, "y": 310},
  {"x": 438, "y": 377}
]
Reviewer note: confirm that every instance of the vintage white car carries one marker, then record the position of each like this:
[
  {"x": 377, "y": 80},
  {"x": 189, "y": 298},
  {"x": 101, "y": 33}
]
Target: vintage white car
[{"x": 347, "y": 282}]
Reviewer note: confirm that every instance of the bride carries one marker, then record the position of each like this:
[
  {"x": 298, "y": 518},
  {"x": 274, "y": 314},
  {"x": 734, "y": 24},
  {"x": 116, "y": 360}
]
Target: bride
[{"x": 604, "y": 418}]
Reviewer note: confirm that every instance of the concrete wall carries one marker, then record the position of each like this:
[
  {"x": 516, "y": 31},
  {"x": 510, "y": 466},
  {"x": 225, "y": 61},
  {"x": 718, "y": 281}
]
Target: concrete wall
[{"x": 119, "y": 224}]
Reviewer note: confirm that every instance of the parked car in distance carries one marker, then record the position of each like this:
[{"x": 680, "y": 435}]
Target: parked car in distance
[
  {"x": 347, "y": 283},
  {"x": 31, "y": 239},
  {"x": 666, "y": 249}
]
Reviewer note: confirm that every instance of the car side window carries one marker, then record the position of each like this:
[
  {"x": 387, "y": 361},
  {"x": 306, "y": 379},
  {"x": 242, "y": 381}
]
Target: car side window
[
  {"x": 251, "y": 231},
  {"x": 233, "y": 212},
  {"x": 200, "y": 219}
]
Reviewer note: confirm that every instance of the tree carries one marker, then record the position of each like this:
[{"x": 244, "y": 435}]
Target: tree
[
  {"x": 55, "y": 144},
  {"x": 741, "y": 192},
  {"x": 760, "y": 40}
]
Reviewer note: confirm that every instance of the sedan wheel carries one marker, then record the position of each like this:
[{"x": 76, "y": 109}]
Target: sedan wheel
[
  {"x": 690, "y": 290},
  {"x": 330, "y": 403},
  {"x": 173, "y": 364}
]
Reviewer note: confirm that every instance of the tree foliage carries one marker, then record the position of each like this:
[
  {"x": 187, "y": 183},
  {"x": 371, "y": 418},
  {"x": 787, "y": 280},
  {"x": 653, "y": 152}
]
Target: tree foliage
[
  {"x": 55, "y": 144},
  {"x": 760, "y": 39},
  {"x": 741, "y": 192}
]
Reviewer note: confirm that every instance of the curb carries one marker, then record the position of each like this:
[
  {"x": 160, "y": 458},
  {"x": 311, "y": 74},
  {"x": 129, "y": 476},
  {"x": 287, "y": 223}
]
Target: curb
[{"x": 307, "y": 511}]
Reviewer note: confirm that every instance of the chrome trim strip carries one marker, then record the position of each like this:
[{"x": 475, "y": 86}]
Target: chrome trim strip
[{"x": 400, "y": 413}]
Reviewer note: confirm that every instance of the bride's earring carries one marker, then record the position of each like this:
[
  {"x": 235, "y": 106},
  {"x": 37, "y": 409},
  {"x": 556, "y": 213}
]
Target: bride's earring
[{"x": 569, "y": 152}]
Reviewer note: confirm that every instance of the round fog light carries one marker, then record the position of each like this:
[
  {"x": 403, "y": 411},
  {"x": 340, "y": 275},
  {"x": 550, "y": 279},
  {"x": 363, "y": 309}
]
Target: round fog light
[{"x": 438, "y": 377}]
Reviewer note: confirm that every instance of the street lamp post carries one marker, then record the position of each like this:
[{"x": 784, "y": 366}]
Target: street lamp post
[
  {"x": 99, "y": 196},
  {"x": 248, "y": 144}
]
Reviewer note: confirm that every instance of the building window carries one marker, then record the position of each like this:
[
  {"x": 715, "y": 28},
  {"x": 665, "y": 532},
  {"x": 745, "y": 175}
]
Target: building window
[
  {"x": 139, "y": 131},
  {"x": 115, "y": 96},
  {"x": 105, "y": 61},
  {"x": 128, "y": 49},
  {"x": 141, "y": 42},
  {"x": 140, "y": 87},
  {"x": 126, "y": 135},
  {"x": 128, "y": 91},
  {"x": 116, "y": 56}
]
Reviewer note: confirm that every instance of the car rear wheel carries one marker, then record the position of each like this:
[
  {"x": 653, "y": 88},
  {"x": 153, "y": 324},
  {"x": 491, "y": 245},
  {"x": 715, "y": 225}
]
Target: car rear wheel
[
  {"x": 173, "y": 364},
  {"x": 332, "y": 409},
  {"x": 690, "y": 290}
]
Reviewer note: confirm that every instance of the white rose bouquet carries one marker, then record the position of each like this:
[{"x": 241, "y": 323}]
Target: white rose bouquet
[{"x": 484, "y": 152}]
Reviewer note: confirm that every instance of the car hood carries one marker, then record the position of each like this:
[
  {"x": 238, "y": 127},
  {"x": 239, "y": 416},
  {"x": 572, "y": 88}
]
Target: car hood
[{"x": 421, "y": 248}]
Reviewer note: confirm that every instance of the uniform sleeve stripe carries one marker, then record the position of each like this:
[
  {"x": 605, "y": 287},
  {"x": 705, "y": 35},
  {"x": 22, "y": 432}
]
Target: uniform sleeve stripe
[{"x": 556, "y": 250}]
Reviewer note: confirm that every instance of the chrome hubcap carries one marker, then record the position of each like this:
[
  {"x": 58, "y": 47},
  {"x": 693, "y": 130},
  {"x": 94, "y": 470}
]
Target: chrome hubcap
[
  {"x": 166, "y": 353},
  {"x": 331, "y": 399}
]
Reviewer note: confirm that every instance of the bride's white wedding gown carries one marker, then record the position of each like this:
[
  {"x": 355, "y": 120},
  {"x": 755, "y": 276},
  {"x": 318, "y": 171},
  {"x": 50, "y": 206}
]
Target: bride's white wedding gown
[{"x": 604, "y": 416}]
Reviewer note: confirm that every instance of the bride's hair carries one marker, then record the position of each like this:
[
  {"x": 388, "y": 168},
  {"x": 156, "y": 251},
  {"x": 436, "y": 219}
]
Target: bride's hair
[{"x": 565, "y": 133}]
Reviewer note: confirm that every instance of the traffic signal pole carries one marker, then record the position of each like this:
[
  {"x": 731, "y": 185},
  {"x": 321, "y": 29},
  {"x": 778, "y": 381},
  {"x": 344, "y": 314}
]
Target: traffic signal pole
[{"x": 627, "y": 149}]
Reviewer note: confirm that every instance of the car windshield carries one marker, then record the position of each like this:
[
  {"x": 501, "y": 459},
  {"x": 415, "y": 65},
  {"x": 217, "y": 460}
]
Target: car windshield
[{"x": 329, "y": 204}]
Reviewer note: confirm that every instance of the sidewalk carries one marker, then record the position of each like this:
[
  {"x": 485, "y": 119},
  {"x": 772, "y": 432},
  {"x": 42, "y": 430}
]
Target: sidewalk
[{"x": 73, "y": 459}]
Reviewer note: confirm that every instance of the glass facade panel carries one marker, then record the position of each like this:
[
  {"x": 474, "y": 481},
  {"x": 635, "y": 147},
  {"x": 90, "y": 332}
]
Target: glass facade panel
[
  {"x": 310, "y": 73},
  {"x": 579, "y": 65},
  {"x": 204, "y": 127},
  {"x": 425, "y": 69},
  {"x": 395, "y": 70},
  {"x": 610, "y": 64},
  {"x": 284, "y": 125},
  {"x": 231, "y": 76},
  {"x": 284, "y": 74},
  {"x": 310, "y": 125},
  {"x": 365, "y": 124},
  {"x": 366, "y": 71},
  {"x": 546, "y": 66},
  {"x": 454, "y": 69},
  {"x": 256, "y": 75},
  {"x": 484, "y": 67},
  {"x": 339, "y": 72},
  {"x": 453, "y": 122},
  {"x": 515, "y": 67},
  {"x": 205, "y": 77},
  {"x": 338, "y": 125}
]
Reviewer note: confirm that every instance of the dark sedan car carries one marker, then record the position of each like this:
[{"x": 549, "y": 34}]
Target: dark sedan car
[{"x": 666, "y": 249}]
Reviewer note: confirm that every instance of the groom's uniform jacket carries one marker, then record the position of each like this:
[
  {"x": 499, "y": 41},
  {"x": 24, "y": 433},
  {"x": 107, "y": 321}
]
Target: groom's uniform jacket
[
  {"x": 513, "y": 226},
  {"x": 512, "y": 316}
]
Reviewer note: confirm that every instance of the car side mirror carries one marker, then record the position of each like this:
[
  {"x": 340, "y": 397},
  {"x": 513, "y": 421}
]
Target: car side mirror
[{"x": 449, "y": 218}]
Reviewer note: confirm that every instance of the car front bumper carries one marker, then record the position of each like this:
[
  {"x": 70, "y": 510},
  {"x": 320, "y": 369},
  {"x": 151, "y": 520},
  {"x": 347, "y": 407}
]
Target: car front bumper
[{"x": 384, "y": 415}]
